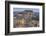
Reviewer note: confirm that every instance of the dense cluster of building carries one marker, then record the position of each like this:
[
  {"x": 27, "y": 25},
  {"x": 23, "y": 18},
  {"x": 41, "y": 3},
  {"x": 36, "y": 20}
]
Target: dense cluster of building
[{"x": 24, "y": 19}]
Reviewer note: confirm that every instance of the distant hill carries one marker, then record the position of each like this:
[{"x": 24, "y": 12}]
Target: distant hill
[{"x": 35, "y": 15}]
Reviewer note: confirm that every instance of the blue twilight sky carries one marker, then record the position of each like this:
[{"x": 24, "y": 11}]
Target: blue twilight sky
[{"x": 22, "y": 9}]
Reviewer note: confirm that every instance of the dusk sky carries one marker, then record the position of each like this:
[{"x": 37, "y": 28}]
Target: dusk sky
[{"x": 22, "y": 9}]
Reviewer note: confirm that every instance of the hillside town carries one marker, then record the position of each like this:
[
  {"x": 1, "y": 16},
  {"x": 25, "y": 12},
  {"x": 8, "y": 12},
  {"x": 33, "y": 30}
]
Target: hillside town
[{"x": 25, "y": 19}]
